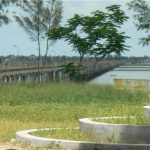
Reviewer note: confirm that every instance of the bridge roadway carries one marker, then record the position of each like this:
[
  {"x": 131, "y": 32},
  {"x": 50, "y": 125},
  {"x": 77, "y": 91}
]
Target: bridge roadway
[
  {"x": 26, "y": 74},
  {"x": 52, "y": 73},
  {"x": 25, "y": 70}
]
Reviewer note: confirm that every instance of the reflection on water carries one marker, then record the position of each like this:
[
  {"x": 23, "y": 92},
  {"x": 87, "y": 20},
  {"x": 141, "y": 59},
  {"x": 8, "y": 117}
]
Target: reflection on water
[{"x": 108, "y": 78}]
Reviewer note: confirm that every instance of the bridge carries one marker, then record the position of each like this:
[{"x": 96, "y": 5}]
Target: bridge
[{"x": 52, "y": 73}]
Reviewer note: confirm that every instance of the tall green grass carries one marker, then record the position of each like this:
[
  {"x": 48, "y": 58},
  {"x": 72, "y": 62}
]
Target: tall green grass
[
  {"x": 67, "y": 134},
  {"x": 31, "y": 105}
]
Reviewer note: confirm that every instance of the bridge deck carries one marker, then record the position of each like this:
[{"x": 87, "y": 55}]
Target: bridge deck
[{"x": 53, "y": 72}]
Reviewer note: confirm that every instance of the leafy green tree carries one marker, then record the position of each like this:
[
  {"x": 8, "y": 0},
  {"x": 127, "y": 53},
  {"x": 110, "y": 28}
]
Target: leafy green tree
[
  {"x": 142, "y": 17},
  {"x": 71, "y": 69},
  {"x": 4, "y": 19},
  {"x": 38, "y": 16},
  {"x": 97, "y": 34}
]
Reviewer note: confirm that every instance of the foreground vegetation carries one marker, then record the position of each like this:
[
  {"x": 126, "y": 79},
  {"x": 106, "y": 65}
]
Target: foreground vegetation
[
  {"x": 131, "y": 120},
  {"x": 67, "y": 134},
  {"x": 25, "y": 106},
  {"x": 76, "y": 135}
]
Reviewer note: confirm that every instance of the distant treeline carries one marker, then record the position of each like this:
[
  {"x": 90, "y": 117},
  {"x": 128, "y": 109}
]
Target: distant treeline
[{"x": 54, "y": 60}]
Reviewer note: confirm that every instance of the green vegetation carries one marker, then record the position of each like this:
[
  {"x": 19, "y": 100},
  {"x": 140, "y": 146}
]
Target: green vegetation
[
  {"x": 36, "y": 22},
  {"x": 31, "y": 105},
  {"x": 141, "y": 15},
  {"x": 75, "y": 134},
  {"x": 66, "y": 134},
  {"x": 137, "y": 120},
  {"x": 96, "y": 35}
]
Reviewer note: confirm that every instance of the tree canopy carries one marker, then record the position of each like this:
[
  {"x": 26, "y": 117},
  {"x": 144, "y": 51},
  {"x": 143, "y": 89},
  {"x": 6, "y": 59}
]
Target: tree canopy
[
  {"x": 142, "y": 17},
  {"x": 4, "y": 19},
  {"x": 37, "y": 21},
  {"x": 98, "y": 34},
  {"x": 39, "y": 16}
]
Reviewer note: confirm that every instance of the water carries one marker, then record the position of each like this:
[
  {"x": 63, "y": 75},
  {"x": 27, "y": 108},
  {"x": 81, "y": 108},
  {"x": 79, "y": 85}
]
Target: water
[{"x": 108, "y": 78}]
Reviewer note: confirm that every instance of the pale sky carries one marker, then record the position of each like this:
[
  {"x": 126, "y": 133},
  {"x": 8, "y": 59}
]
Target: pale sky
[{"x": 12, "y": 34}]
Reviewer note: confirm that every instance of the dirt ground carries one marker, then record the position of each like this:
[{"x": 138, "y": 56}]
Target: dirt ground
[{"x": 19, "y": 146}]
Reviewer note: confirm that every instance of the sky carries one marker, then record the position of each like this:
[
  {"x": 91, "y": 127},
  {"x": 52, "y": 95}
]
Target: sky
[{"x": 15, "y": 41}]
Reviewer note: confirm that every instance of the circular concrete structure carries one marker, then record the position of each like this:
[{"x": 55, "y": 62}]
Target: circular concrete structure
[
  {"x": 25, "y": 136},
  {"x": 146, "y": 110},
  {"x": 127, "y": 137},
  {"x": 116, "y": 133}
]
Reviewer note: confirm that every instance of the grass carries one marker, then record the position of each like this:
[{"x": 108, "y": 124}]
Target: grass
[
  {"x": 31, "y": 105},
  {"x": 137, "y": 120},
  {"x": 66, "y": 134}
]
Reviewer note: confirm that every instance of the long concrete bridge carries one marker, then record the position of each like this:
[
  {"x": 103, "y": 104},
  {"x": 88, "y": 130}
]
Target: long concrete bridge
[{"x": 49, "y": 73}]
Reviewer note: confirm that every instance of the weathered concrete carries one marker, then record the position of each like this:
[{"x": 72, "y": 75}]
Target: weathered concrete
[
  {"x": 133, "y": 84},
  {"x": 118, "y": 133},
  {"x": 125, "y": 136},
  {"x": 49, "y": 73},
  {"x": 146, "y": 110},
  {"x": 31, "y": 74},
  {"x": 24, "y": 136}
]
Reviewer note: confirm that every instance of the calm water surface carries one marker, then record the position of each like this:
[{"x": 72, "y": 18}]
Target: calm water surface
[{"x": 108, "y": 78}]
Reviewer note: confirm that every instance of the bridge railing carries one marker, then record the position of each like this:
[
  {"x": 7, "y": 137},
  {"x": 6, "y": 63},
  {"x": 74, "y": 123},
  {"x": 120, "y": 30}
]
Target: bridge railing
[{"x": 53, "y": 73}]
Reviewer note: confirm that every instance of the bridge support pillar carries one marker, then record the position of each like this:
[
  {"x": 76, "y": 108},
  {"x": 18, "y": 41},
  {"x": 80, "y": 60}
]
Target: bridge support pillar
[
  {"x": 60, "y": 75},
  {"x": 54, "y": 76},
  {"x": 10, "y": 79},
  {"x": 19, "y": 78}
]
